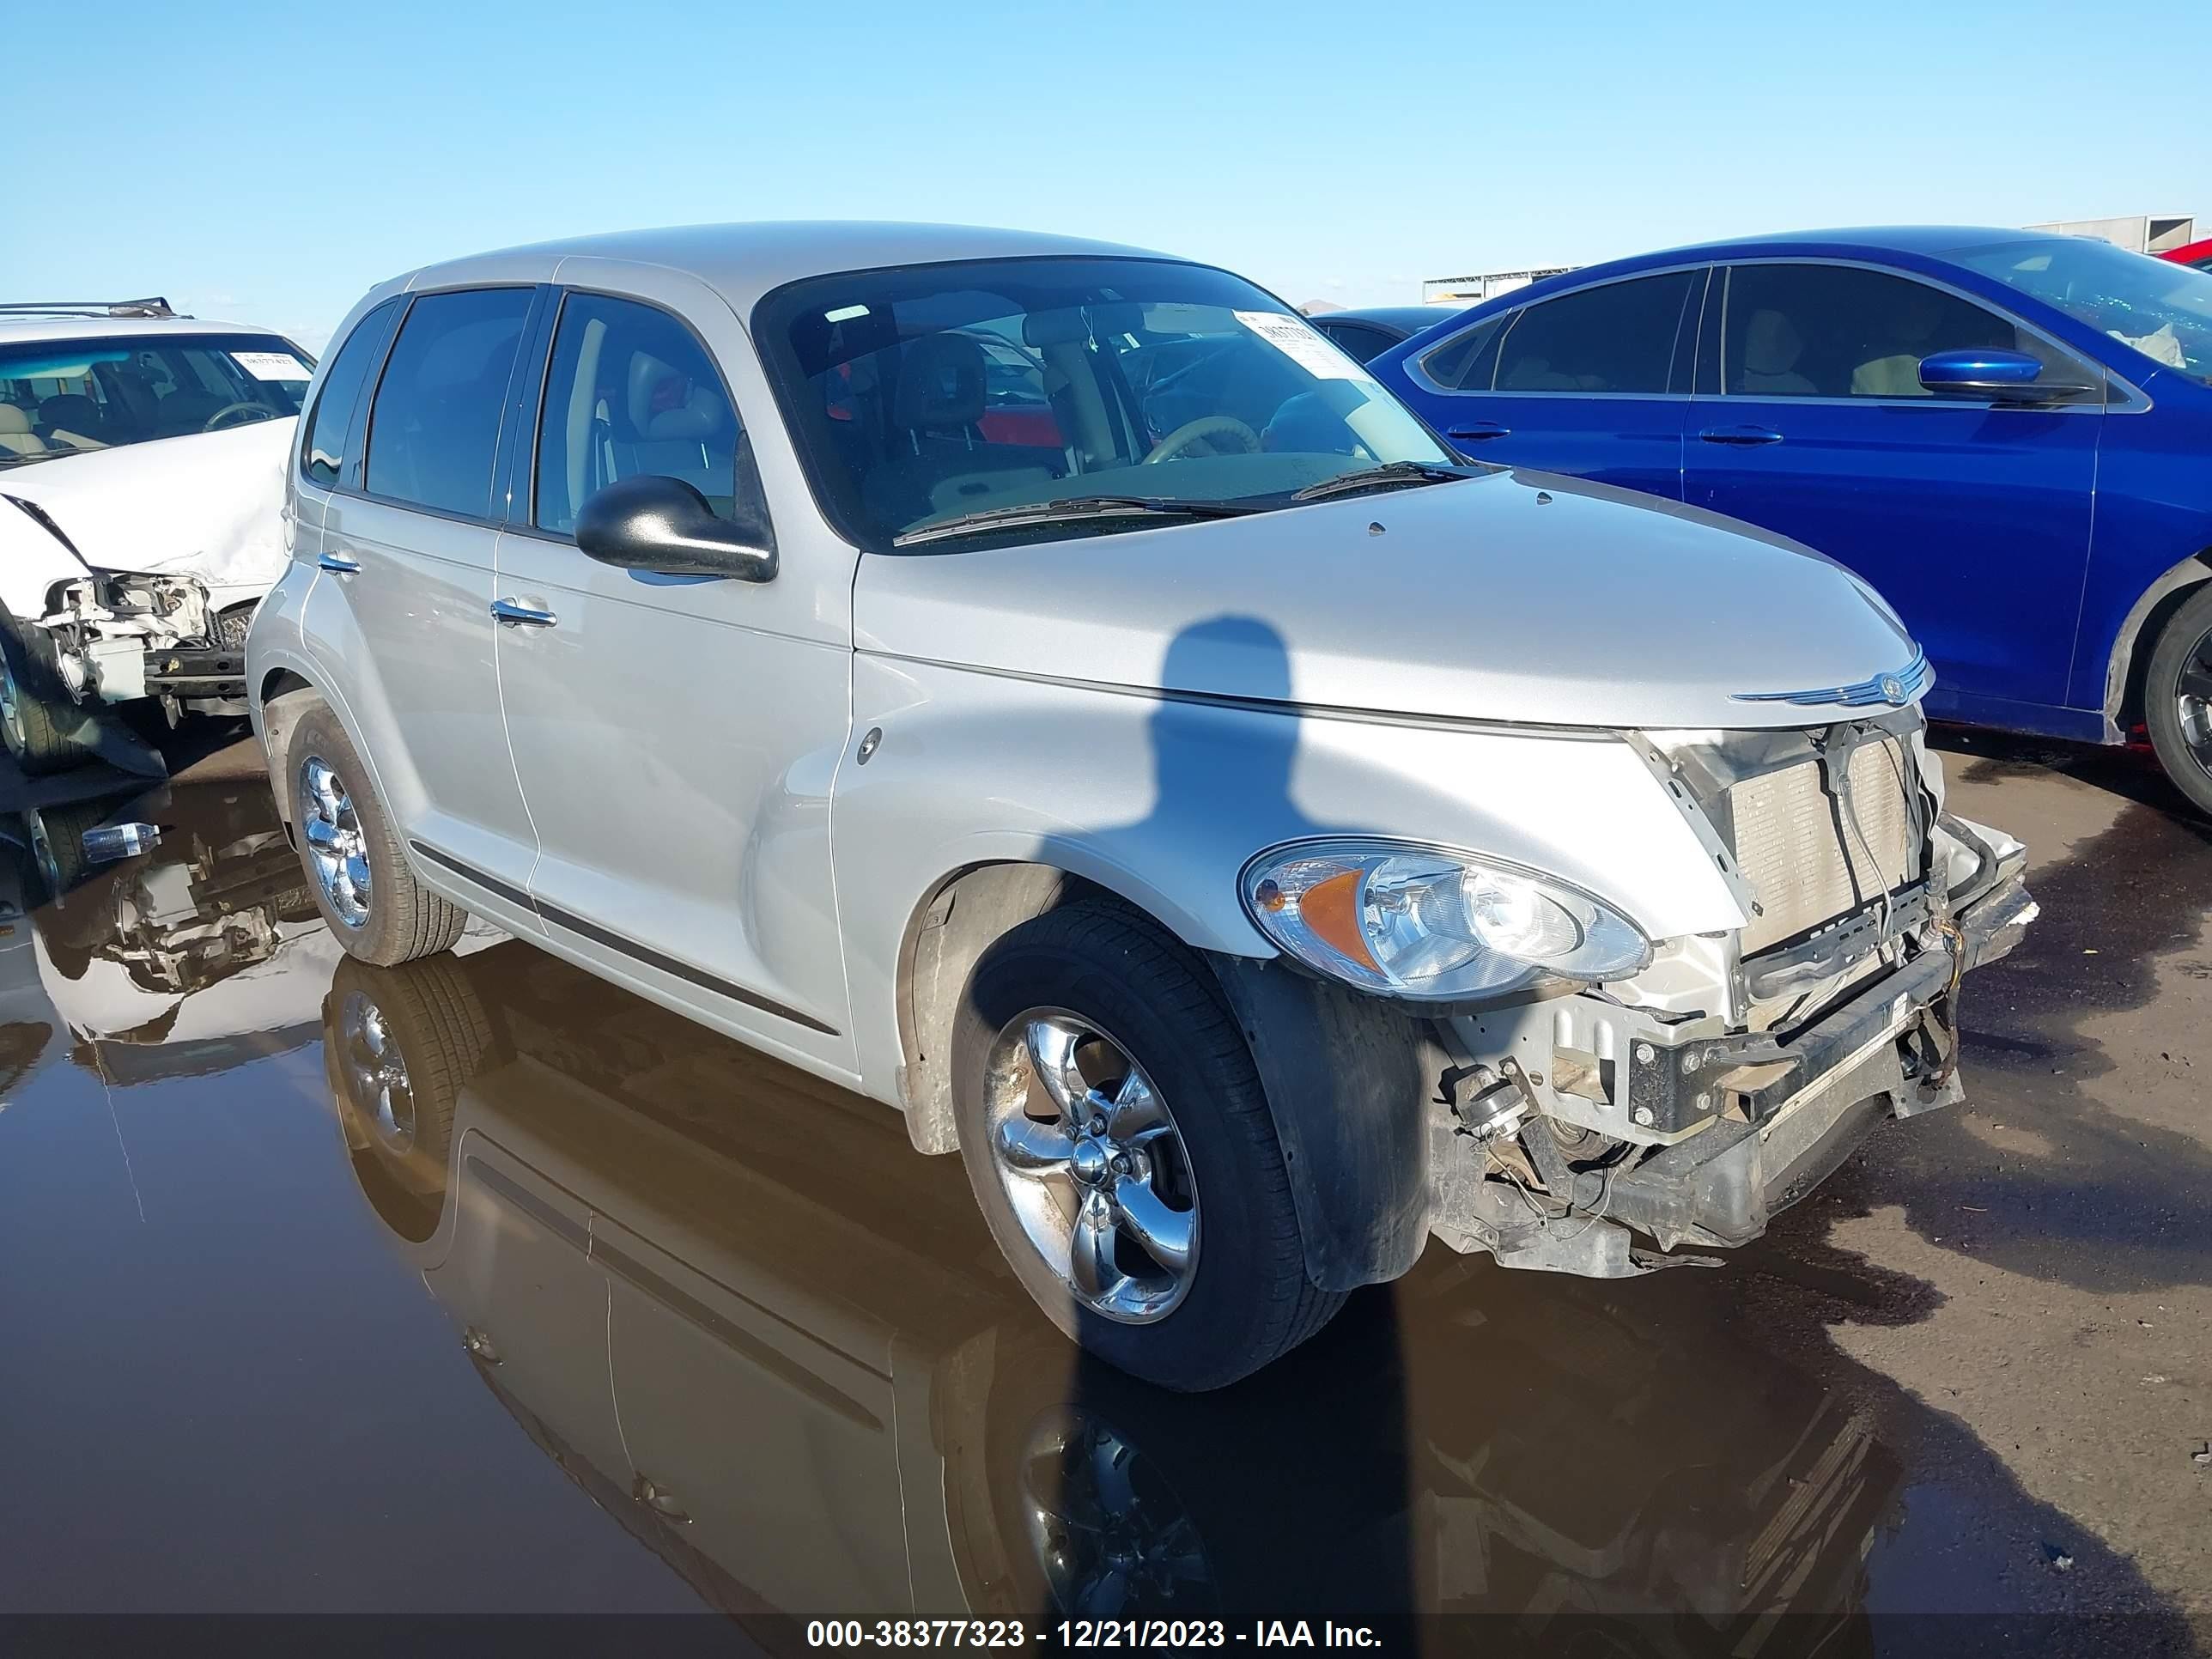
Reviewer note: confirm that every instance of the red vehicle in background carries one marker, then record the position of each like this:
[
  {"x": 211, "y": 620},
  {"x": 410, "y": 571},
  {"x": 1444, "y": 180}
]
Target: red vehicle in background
[{"x": 2195, "y": 254}]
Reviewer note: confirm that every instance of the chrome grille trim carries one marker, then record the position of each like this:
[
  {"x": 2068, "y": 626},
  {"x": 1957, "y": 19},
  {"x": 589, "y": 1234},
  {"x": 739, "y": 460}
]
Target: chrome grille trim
[
  {"x": 1896, "y": 688},
  {"x": 1803, "y": 871}
]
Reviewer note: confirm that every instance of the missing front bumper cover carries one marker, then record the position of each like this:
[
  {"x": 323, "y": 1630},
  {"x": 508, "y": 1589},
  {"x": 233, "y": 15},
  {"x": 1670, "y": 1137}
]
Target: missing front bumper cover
[{"x": 1794, "y": 1111}]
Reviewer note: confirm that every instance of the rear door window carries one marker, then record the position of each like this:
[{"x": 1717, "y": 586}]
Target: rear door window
[
  {"x": 322, "y": 451},
  {"x": 434, "y": 425},
  {"x": 1616, "y": 338}
]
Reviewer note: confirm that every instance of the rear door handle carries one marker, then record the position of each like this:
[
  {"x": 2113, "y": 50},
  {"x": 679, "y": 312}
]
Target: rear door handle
[
  {"x": 513, "y": 613},
  {"x": 342, "y": 564},
  {"x": 1742, "y": 436},
  {"x": 1475, "y": 431}
]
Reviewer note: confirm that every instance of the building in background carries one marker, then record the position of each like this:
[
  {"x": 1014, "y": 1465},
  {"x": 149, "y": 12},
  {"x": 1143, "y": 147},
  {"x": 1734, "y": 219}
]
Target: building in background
[
  {"x": 2146, "y": 233},
  {"x": 1466, "y": 290}
]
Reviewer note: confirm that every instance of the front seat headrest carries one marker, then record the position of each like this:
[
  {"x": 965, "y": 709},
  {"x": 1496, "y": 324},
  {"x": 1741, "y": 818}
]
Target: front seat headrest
[
  {"x": 664, "y": 403},
  {"x": 72, "y": 410},
  {"x": 940, "y": 383}
]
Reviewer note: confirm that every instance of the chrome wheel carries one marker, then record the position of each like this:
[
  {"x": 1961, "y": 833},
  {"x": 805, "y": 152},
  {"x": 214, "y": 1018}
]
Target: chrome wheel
[
  {"x": 1110, "y": 1534},
  {"x": 2193, "y": 701},
  {"x": 376, "y": 1074},
  {"x": 335, "y": 846},
  {"x": 1093, "y": 1165}
]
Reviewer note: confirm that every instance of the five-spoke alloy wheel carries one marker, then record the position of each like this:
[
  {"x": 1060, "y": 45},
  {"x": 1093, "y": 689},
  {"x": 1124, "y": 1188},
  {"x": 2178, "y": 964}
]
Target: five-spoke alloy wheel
[
  {"x": 356, "y": 869},
  {"x": 1093, "y": 1165},
  {"x": 1101, "y": 1090},
  {"x": 338, "y": 851}
]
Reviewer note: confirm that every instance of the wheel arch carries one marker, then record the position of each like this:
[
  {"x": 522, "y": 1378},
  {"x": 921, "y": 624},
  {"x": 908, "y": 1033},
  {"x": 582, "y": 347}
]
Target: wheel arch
[
  {"x": 962, "y": 914},
  {"x": 279, "y": 699},
  {"x": 2129, "y": 658}
]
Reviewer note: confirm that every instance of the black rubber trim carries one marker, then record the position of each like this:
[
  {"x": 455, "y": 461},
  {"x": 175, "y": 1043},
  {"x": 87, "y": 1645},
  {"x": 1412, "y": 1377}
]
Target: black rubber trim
[
  {"x": 631, "y": 948},
  {"x": 489, "y": 884}
]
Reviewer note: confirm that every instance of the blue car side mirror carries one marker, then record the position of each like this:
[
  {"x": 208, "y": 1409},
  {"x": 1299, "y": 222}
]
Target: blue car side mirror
[{"x": 1989, "y": 372}]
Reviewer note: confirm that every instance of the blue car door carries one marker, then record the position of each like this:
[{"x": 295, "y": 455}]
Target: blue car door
[
  {"x": 1592, "y": 382},
  {"x": 1972, "y": 518}
]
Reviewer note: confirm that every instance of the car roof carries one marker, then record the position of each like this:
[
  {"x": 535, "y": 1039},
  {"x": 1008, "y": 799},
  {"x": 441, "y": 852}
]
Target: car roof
[
  {"x": 1412, "y": 318},
  {"x": 18, "y": 330},
  {"x": 742, "y": 262},
  {"x": 1878, "y": 242}
]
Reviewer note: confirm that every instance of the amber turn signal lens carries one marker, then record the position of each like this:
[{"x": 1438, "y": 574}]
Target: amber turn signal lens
[{"x": 1331, "y": 909}]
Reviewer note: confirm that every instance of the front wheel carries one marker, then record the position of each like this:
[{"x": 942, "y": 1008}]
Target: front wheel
[
  {"x": 2178, "y": 699},
  {"x": 41, "y": 728},
  {"x": 1116, "y": 1133}
]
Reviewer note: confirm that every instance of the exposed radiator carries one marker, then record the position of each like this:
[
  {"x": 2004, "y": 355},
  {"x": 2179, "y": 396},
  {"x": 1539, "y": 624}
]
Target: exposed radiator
[{"x": 1805, "y": 868}]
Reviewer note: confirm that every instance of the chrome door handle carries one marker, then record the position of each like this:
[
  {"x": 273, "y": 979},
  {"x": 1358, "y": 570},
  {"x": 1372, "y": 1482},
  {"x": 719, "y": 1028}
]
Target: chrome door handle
[
  {"x": 1742, "y": 436},
  {"x": 513, "y": 613},
  {"x": 342, "y": 564}
]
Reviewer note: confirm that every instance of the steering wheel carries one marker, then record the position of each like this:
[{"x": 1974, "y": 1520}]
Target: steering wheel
[
  {"x": 237, "y": 414},
  {"x": 1206, "y": 426}
]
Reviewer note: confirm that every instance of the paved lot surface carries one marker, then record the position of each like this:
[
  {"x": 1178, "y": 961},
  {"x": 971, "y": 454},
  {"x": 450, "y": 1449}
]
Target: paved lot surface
[{"x": 479, "y": 1285}]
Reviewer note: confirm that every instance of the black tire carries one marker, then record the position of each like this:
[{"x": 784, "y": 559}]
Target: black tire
[
  {"x": 428, "y": 1018},
  {"x": 405, "y": 920},
  {"x": 43, "y": 735},
  {"x": 1248, "y": 1301},
  {"x": 2184, "y": 646}
]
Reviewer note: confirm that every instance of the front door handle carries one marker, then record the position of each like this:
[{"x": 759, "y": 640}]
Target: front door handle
[
  {"x": 1475, "y": 431},
  {"x": 341, "y": 564},
  {"x": 1743, "y": 437},
  {"x": 513, "y": 613}
]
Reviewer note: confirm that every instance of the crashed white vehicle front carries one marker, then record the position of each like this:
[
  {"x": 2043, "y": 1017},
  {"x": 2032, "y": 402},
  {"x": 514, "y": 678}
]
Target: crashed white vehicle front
[{"x": 141, "y": 463}]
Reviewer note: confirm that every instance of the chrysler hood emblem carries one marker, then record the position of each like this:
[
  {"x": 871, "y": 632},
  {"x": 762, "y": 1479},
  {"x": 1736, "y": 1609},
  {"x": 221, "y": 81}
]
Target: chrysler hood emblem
[{"x": 1895, "y": 689}]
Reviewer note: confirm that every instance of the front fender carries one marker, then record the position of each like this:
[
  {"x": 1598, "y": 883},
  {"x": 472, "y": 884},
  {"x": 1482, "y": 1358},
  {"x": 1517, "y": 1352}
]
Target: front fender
[{"x": 1163, "y": 800}]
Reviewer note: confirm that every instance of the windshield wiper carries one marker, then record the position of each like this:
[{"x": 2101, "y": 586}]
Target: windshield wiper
[
  {"x": 1074, "y": 507},
  {"x": 1376, "y": 477}
]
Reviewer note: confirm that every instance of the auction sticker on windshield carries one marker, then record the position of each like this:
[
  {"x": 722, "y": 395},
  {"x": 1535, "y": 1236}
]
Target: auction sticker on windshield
[
  {"x": 272, "y": 365},
  {"x": 1301, "y": 345}
]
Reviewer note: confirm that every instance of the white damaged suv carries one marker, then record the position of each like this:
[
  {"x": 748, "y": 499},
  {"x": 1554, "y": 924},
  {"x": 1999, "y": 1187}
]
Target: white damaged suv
[
  {"x": 1049, "y": 689},
  {"x": 142, "y": 458}
]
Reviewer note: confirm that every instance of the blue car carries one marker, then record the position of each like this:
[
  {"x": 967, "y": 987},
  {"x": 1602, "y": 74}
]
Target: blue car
[{"x": 2008, "y": 435}]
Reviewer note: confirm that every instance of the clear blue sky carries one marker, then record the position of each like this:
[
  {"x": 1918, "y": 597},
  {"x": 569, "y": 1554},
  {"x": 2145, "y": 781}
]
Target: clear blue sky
[{"x": 270, "y": 162}]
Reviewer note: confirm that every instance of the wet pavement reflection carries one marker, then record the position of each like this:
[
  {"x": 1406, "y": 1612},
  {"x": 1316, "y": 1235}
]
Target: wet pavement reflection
[{"x": 479, "y": 1284}]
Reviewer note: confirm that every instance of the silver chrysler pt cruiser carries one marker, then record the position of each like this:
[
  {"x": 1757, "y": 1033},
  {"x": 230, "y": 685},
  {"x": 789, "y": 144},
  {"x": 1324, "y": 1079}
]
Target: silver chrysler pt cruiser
[{"x": 1049, "y": 689}]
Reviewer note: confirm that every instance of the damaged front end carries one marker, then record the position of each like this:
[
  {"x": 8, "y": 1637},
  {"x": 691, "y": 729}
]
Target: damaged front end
[
  {"x": 1612, "y": 1123},
  {"x": 1589, "y": 1132},
  {"x": 115, "y": 637}
]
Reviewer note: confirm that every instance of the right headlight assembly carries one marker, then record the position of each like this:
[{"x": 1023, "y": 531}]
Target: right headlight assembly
[{"x": 1433, "y": 925}]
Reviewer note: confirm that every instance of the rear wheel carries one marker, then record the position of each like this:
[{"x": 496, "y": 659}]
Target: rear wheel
[
  {"x": 2178, "y": 699},
  {"x": 357, "y": 870},
  {"x": 1116, "y": 1133},
  {"x": 37, "y": 723}
]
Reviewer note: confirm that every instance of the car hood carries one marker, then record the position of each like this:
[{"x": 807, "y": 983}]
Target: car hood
[
  {"x": 1517, "y": 596},
  {"x": 207, "y": 504}
]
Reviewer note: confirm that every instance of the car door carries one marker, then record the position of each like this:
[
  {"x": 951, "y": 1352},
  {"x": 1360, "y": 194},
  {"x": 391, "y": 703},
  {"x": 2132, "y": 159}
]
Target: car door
[
  {"x": 1592, "y": 382},
  {"x": 402, "y": 602},
  {"x": 1971, "y": 519},
  {"x": 675, "y": 736}
]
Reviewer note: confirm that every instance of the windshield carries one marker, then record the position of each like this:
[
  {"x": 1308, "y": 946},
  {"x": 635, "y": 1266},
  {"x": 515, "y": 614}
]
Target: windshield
[
  {"x": 923, "y": 394},
  {"x": 65, "y": 397},
  {"x": 2162, "y": 309}
]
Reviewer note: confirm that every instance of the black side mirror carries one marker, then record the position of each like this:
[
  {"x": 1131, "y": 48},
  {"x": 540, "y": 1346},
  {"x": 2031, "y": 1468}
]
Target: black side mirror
[
  {"x": 1999, "y": 375},
  {"x": 664, "y": 524}
]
